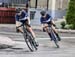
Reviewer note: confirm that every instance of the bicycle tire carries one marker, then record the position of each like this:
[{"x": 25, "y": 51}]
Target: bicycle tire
[
  {"x": 30, "y": 42},
  {"x": 33, "y": 41},
  {"x": 54, "y": 38}
]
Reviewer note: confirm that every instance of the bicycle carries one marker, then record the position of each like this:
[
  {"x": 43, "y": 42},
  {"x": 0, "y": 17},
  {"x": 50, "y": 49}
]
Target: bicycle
[
  {"x": 29, "y": 39},
  {"x": 53, "y": 35}
]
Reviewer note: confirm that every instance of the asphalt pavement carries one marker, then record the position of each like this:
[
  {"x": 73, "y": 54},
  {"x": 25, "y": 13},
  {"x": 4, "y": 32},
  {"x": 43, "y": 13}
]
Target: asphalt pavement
[{"x": 46, "y": 47}]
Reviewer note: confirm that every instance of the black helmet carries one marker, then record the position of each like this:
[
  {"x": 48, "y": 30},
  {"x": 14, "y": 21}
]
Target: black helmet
[
  {"x": 43, "y": 13},
  {"x": 18, "y": 10}
]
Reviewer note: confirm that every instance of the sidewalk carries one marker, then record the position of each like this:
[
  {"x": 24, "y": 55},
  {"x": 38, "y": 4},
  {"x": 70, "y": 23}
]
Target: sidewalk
[{"x": 36, "y": 28}]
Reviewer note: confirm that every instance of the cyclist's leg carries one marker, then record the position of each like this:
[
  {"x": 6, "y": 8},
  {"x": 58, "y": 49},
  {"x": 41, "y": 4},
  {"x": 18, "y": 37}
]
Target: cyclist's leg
[
  {"x": 30, "y": 29},
  {"x": 17, "y": 25},
  {"x": 56, "y": 33},
  {"x": 50, "y": 36},
  {"x": 46, "y": 29}
]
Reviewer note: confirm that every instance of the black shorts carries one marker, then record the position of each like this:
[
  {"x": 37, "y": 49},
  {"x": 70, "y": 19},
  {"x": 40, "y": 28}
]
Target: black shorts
[
  {"x": 50, "y": 22},
  {"x": 25, "y": 22}
]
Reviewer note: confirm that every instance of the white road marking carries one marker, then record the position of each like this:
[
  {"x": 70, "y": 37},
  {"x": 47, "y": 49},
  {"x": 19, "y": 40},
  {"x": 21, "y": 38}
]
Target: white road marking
[{"x": 61, "y": 38}]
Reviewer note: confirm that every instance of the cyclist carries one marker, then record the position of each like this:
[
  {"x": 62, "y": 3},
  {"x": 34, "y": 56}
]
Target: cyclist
[
  {"x": 19, "y": 12},
  {"x": 46, "y": 20},
  {"x": 22, "y": 17}
]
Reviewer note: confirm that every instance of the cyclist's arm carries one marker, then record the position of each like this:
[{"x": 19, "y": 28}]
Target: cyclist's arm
[
  {"x": 25, "y": 17},
  {"x": 44, "y": 25},
  {"x": 50, "y": 19}
]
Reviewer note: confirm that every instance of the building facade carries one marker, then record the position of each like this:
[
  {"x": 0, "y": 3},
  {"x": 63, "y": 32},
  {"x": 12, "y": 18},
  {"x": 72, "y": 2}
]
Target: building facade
[
  {"x": 47, "y": 4},
  {"x": 59, "y": 4},
  {"x": 14, "y": 3},
  {"x": 57, "y": 8}
]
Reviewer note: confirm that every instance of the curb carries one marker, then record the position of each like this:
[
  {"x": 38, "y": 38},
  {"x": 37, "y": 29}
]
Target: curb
[
  {"x": 59, "y": 30},
  {"x": 65, "y": 31}
]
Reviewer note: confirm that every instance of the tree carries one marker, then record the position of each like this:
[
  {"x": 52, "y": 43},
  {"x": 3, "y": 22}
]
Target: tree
[{"x": 70, "y": 16}]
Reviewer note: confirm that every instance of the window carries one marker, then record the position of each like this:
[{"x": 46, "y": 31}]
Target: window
[
  {"x": 42, "y": 4},
  {"x": 32, "y": 3}
]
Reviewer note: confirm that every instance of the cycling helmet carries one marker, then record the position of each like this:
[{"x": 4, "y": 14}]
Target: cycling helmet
[
  {"x": 18, "y": 10},
  {"x": 43, "y": 13}
]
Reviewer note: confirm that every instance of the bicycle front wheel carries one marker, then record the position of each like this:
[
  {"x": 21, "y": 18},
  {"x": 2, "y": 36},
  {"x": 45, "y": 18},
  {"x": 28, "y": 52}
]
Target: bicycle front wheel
[
  {"x": 30, "y": 41},
  {"x": 31, "y": 44},
  {"x": 54, "y": 39}
]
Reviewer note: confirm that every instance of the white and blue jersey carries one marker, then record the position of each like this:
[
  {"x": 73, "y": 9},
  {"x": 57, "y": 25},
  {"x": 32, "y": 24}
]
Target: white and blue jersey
[
  {"x": 21, "y": 17},
  {"x": 24, "y": 15},
  {"x": 46, "y": 19}
]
